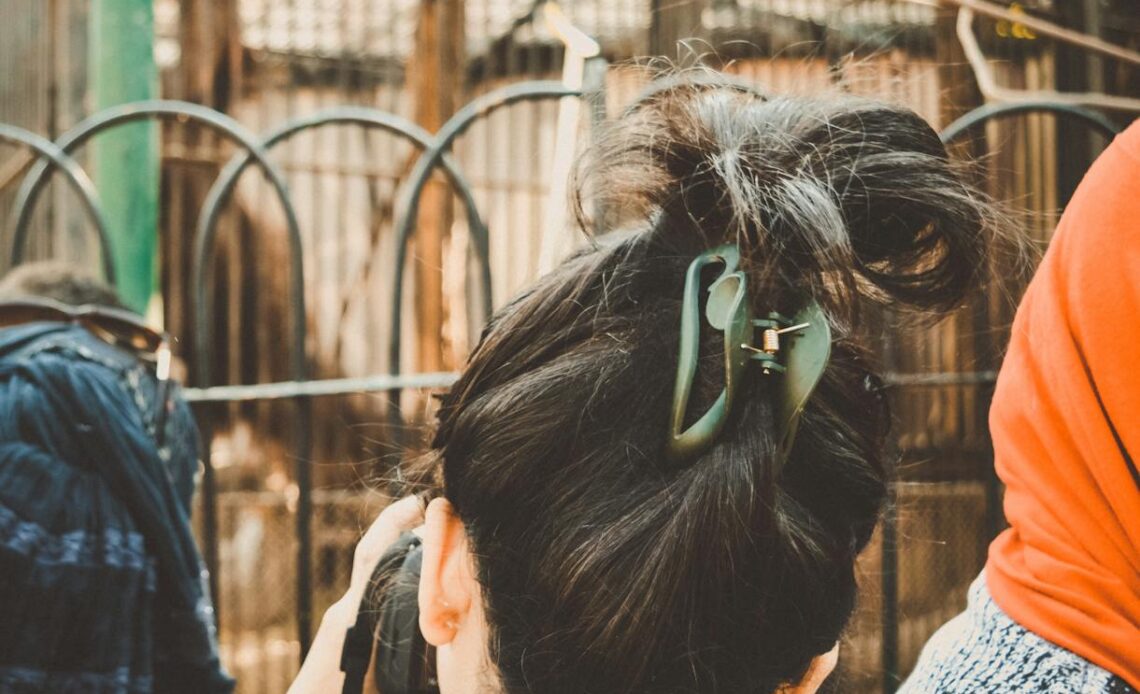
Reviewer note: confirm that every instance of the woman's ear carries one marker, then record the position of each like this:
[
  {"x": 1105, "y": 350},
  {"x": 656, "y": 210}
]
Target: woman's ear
[{"x": 448, "y": 588}]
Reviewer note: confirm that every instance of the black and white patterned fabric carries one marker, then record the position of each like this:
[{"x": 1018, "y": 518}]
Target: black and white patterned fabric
[{"x": 983, "y": 651}]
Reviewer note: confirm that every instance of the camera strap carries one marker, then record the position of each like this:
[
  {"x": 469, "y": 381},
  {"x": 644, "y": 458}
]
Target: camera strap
[
  {"x": 356, "y": 655},
  {"x": 389, "y": 611}
]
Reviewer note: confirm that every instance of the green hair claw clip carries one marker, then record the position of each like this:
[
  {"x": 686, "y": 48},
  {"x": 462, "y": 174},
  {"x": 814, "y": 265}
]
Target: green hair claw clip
[{"x": 792, "y": 352}]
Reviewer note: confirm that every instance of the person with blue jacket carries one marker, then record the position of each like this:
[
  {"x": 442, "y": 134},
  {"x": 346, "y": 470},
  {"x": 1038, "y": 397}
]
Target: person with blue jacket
[{"x": 102, "y": 589}]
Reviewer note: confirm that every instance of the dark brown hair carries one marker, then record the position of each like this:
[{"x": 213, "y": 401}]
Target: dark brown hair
[{"x": 603, "y": 569}]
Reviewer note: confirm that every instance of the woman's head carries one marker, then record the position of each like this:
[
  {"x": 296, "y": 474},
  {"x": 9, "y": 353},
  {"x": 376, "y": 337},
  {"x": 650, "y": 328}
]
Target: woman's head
[{"x": 600, "y": 567}]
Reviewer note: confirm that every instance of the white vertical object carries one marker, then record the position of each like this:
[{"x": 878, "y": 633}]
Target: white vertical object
[{"x": 578, "y": 48}]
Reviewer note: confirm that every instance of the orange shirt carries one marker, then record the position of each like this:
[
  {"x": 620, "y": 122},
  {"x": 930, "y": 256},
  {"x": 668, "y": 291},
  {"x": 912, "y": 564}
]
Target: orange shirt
[{"x": 1066, "y": 429}]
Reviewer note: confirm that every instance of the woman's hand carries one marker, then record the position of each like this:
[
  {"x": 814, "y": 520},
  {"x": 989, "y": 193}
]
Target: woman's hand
[
  {"x": 395, "y": 520},
  {"x": 321, "y": 673}
]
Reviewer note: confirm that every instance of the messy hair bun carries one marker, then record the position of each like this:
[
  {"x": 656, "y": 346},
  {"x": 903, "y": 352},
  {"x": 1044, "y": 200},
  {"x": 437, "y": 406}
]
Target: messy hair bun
[
  {"x": 815, "y": 190},
  {"x": 603, "y": 569}
]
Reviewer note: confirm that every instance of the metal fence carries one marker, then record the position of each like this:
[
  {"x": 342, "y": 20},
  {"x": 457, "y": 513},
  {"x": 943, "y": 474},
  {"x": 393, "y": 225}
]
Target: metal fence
[{"x": 301, "y": 387}]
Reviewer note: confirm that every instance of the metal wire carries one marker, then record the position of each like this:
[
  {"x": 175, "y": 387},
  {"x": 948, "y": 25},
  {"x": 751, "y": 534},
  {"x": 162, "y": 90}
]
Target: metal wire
[{"x": 312, "y": 389}]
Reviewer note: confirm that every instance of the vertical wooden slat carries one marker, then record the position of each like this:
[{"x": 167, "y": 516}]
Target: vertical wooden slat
[{"x": 435, "y": 72}]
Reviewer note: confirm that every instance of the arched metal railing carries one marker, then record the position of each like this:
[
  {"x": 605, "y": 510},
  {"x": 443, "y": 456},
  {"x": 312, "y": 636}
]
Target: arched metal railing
[
  {"x": 982, "y": 114},
  {"x": 299, "y": 369},
  {"x": 146, "y": 110},
  {"x": 421, "y": 172},
  {"x": 366, "y": 118},
  {"x": 79, "y": 182},
  {"x": 434, "y": 149}
]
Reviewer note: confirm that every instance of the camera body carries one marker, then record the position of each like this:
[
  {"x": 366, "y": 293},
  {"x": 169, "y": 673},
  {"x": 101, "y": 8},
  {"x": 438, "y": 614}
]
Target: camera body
[{"x": 387, "y": 630}]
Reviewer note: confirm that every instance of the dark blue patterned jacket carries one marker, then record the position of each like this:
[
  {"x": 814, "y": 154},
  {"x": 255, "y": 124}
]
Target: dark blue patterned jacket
[{"x": 101, "y": 584}]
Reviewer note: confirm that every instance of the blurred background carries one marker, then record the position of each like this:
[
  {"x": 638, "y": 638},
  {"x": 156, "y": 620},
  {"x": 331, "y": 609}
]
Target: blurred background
[{"x": 333, "y": 88}]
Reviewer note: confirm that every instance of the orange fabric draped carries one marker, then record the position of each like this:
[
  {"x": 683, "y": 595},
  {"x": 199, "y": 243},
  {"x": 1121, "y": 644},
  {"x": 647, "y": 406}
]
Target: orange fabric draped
[{"x": 1066, "y": 429}]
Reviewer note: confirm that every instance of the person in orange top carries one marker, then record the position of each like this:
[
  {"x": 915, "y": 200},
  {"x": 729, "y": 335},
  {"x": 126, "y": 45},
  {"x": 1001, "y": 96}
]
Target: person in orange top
[{"x": 1057, "y": 607}]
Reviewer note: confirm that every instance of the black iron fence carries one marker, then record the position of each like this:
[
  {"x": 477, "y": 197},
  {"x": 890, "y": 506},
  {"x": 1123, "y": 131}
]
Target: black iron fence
[{"x": 302, "y": 386}]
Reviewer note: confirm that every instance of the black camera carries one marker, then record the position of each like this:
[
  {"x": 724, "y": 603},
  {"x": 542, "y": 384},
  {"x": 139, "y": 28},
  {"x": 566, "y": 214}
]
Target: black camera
[{"x": 387, "y": 625}]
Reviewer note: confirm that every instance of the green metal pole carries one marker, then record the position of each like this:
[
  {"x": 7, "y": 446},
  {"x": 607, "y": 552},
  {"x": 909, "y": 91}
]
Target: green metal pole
[{"x": 126, "y": 158}]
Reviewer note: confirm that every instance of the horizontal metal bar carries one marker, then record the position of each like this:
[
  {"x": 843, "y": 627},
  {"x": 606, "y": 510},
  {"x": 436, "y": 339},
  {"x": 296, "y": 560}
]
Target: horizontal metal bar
[
  {"x": 444, "y": 379},
  {"x": 968, "y": 378},
  {"x": 309, "y": 389}
]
